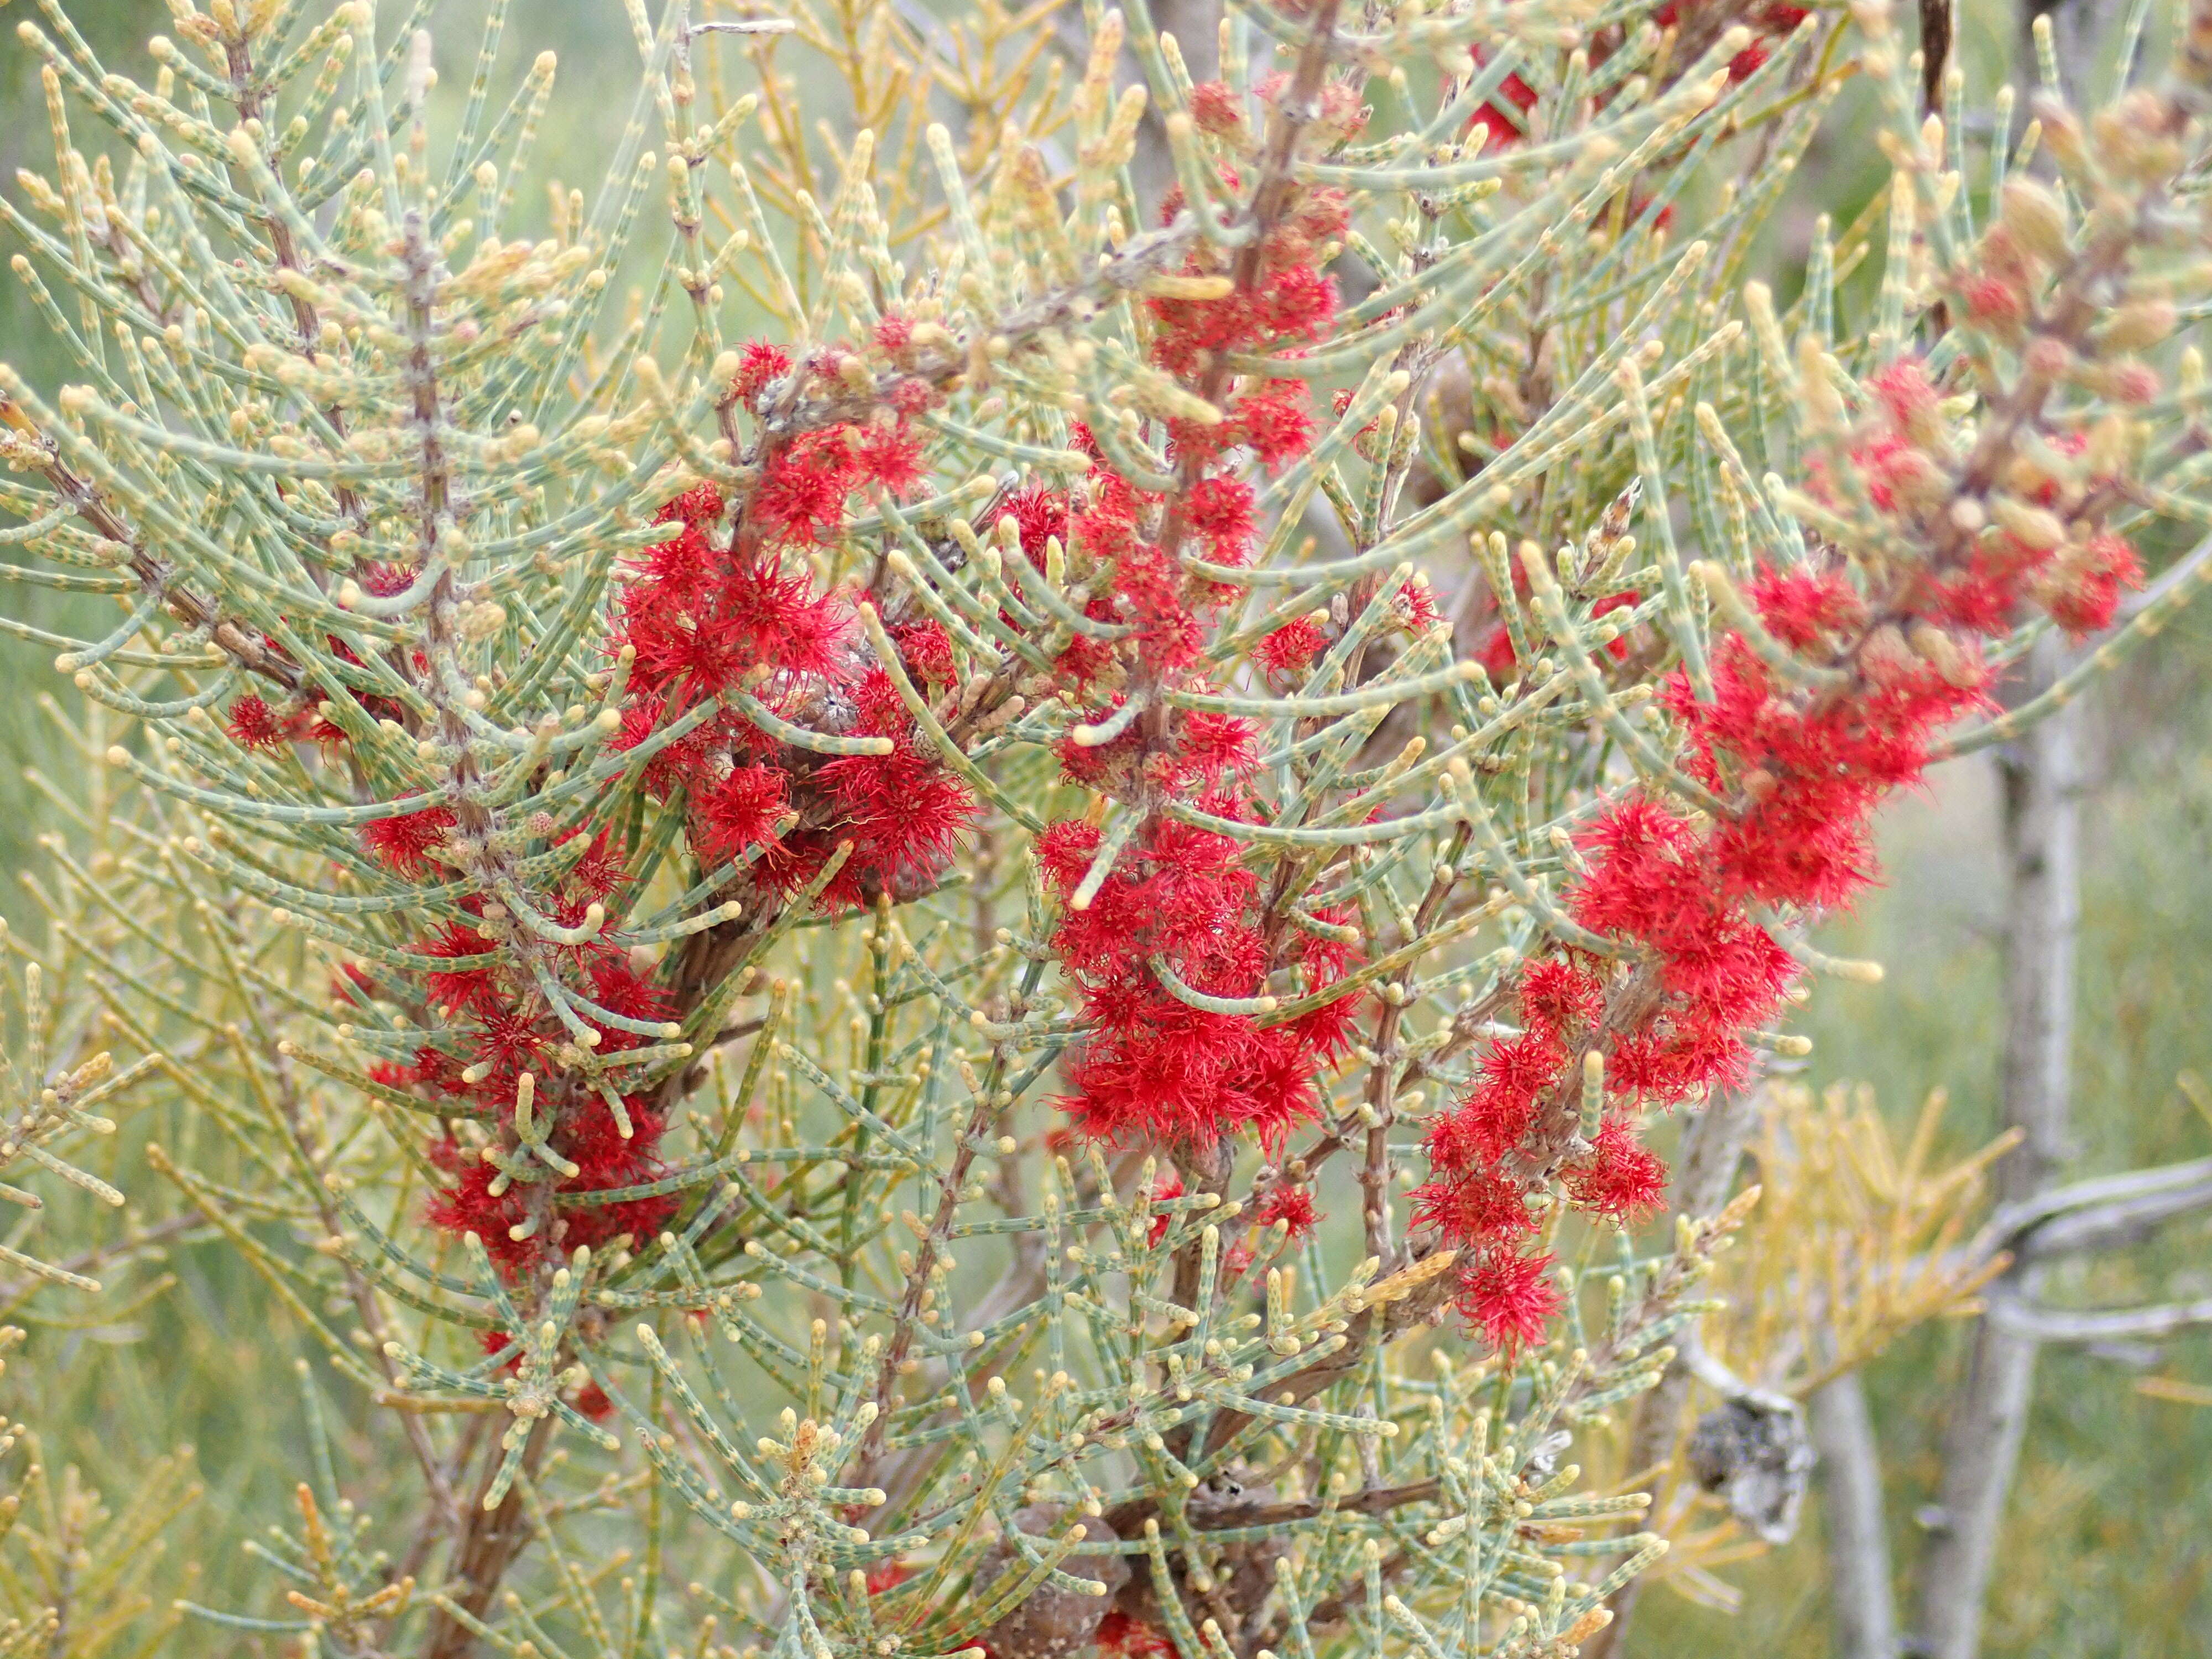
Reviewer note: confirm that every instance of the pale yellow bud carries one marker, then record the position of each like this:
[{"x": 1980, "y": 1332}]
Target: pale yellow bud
[{"x": 2035, "y": 219}]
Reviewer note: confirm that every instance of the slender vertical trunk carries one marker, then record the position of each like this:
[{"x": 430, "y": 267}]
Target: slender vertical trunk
[
  {"x": 1712, "y": 1147},
  {"x": 489, "y": 1542},
  {"x": 1851, "y": 1509},
  {"x": 1981, "y": 1443}
]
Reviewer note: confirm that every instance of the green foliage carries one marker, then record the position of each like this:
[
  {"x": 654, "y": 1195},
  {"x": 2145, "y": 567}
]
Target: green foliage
[{"x": 875, "y": 1358}]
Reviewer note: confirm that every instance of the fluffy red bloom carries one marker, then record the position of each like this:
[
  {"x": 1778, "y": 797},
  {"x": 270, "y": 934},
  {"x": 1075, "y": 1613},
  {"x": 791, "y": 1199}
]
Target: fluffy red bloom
[
  {"x": 1620, "y": 1178},
  {"x": 2086, "y": 594},
  {"x": 1276, "y": 422},
  {"x": 1561, "y": 998},
  {"x": 927, "y": 650},
  {"x": 1211, "y": 744},
  {"x": 894, "y": 334},
  {"x": 464, "y": 987},
  {"x": 903, "y": 812},
  {"x": 1510, "y": 1297},
  {"x": 890, "y": 456},
  {"x": 1217, "y": 108},
  {"x": 1474, "y": 1202},
  {"x": 403, "y": 844},
  {"x": 1299, "y": 304},
  {"x": 1908, "y": 395},
  {"x": 1039, "y": 514},
  {"x": 1802, "y": 605},
  {"x": 759, "y": 364},
  {"x": 1291, "y": 1205},
  {"x": 254, "y": 725},
  {"x": 1221, "y": 509},
  {"x": 600, "y": 871},
  {"x": 1416, "y": 604},
  {"x": 803, "y": 491},
  {"x": 1290, "y": 647},
  {"x": 693, "y": 611},
  {"x": 1155, "y": 1068},
  {"x": 739, "y": 812}
]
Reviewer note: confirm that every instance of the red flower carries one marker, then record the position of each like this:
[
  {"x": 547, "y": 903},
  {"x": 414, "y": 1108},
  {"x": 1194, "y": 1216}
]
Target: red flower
[
  {"x": 1039, "y": 514},
  {"x": 759, "y": 364},
  {"x": 1510, "y": 1297},
  {"x": 1276, "y": 422},
  {"x": 1217, "y": 108},
  {"x": 738, "y": 813},
  {"x": 403, "y": 844},
  {"x": 894, "y": 334},
  {"x": 1291, "y": 1205},
  {"x": 1290, "y": 647},
  {"x": 803, "y": 492},
  {"x": 1221, "y": 509},
  {"x": 1473, "y": 1202},
  {"x": 927, "y": 650},
  {"x": 255, "y": 725},
  {"x": 1620, "y": 1178},
  {"x": 890, "y": 456},
  {"x": 1561, "y": 998},
  {"x": 2086, "y": 594}
]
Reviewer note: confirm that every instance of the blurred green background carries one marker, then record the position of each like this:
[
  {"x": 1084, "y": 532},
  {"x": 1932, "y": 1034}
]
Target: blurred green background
[{"x": 2108, "y": 1547}]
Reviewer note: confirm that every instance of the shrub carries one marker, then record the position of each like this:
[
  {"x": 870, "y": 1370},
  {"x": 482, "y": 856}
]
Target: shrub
[{"x": 1070, "y": 838}]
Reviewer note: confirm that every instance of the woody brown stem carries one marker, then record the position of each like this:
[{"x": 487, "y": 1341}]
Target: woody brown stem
[
  {"x": 896, "y": 1353},
  {"x": 489, "y": 1543}
]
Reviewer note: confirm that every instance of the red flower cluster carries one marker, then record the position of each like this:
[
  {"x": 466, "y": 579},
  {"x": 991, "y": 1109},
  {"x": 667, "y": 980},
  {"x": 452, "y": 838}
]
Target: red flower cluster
[
  {"x": 1155, "y": 1067},
  {"x": 711, "y": 612},
  {"x": 1180, "y": 908},
  {"x": 1291, "y": 1205},
  {"x": 706, "y": 611},
  {"x": 497, "y": 1027},
  {"x": 1802, "y": 769}
]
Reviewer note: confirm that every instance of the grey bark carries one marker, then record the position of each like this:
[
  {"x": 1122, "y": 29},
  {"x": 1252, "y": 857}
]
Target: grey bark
[
  {"x": 2109, "y": 1213},
  {"x": 1712, "y": 1147},
  {"x": 1850, "y": 1510},
  {"x": 2043, "y": 783}
]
